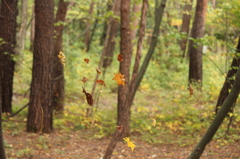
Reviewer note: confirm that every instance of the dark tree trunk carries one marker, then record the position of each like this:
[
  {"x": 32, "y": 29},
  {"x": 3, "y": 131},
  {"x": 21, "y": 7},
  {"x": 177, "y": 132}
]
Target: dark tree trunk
[
  {"x": 2, "y": 151},
  {"x": 185, "y": 25},
  {"x": 126, "y": 52},
  {"x": 230, "y": 100},
  {"x": 40, "y": 104},
  {"x": 229, "y": 79},
  {"x": 58, "y": 71},
  {"x": 112, "y": 31},
  {"x": 195, "y": 49},
  {"x": 8, "y": 14}
]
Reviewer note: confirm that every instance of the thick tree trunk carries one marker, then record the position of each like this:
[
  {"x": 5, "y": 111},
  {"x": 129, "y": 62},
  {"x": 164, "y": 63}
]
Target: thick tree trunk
[
  {"x": 126, "y": 52},
  {"x": 8, "y": 12},
  {"x": 158, "y": 19},
  {"x": 40, "y": 104},
  {"x": 185, "y": 25},
  {"x": 88, "y": 27},
  {"x": 112, "y": 31},
  {"x": 58, "y": 71},
  {"x": 230, "y": 100},
  {"x": 2, "y": 151},
  {"x": 229, "y": 79},
  {"x": 195, "y": 49}
]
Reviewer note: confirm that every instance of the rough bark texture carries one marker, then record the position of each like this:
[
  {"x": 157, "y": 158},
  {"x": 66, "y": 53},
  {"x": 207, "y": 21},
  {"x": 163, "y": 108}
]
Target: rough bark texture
[
  {"x": 58, "y": 70},
  {"x": 230, "y": 100},
  {"x": 126, "y": 52},
  {"x": 40, "y": 104},
  {"x": 185, "y": 24},
  {"x": 8, "y": 14},
  {"x": 88, "y": 27},
  {"x": 158, "y": 18},
  {"x": 195, "y": 49},
  {"x": 2, "y": 151},
  {"x": 229, "y": 79},
  {"x": 112, "y": 31}
]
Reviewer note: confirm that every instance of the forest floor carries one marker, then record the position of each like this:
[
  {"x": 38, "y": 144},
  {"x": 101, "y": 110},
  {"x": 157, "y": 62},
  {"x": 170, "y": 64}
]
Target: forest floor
[{"x": 70, "y": 145}]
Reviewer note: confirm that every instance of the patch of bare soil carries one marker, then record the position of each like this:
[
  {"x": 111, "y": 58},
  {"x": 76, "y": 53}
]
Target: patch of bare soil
[{"x": 74, "y": 145}]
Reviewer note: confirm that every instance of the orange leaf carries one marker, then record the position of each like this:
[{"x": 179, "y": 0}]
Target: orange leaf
[
  {"x": 98, "y": 71},
  {"x": 119, "y": 127},
  {"x": 86, "y": 60},
  {"x": 120, "y": 58},
  {"x": 88, "y": 97},
  {"x": 119, "y": 78},
  {"x": 84, "y": 79},
  {"x": 101, "y": 82}
]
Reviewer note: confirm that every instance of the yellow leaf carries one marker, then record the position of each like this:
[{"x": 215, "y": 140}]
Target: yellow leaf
[
  {"x": 129, "y": 143},
  {"x": 62, "y": 58},
  {"x": 119, "y": 78}
]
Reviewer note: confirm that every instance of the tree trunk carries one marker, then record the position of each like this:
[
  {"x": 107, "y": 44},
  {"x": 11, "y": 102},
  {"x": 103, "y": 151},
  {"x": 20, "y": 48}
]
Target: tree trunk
[
  {"x": 136, "y": 9},
  {"x": 230, "y": 100},
  {"x": 117, "y": 136},
  {"x": 113, "y": 27},
  {"x": 88, "y": 27},
  {"x": 195, "y": 49},
  {"x": 58, "y": 71},
  {"x": 40, "y": 104},
  {"x": 158, "y": 19},
  {"x": 229, "y": 79},
  {"x": 8, "y": 12},
  {"x": 32, "y": 32},
  {"x": 185, "y": 24},
  {"x": 2, "y": 151},
  {"x": 126, "y": 52}
]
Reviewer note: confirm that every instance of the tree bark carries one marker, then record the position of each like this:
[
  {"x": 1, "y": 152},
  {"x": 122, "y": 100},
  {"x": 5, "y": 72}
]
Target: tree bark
[
  {"x": 88, "y": 27},
  {"x": 136, "y": 9},
  {"x": 40, "y": 104},
  {"x": 58, "y": 70},
  {"x": 126, "y": 52},
  {"x": 229, "y": 79},
  {"x": 8, "y": 14},
  {"x": 230, "y": 100},
  {"x": 2, "y": 150},
  {"x": 195, "y": 49},
  {"x": 185, "y": 25},
  {"x": 158, "y": 19}
]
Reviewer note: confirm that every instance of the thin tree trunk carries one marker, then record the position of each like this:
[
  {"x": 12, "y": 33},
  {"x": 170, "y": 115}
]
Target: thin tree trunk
[
  {"x": 113, "y": 27},
  {"x": 2, "y": 150},
  {"x": 195, "y": 49},
  {"x": 229, "y": 79},
  {"x": 185, "y": 25},
  {"x": 88, "y": 27},
  {"x": 21, "y": 35},
  {"x": 126, "y": 52},
  {"x": 230, "y": 100},
  {"x": 32, "y": 32},
  {"x": 40, "y": 105},
  {"x": 8, "y": 12},
  {"x": 136, "y": 9},
  {"x": 58, "y": 70},
  {"x": 117, "y": 136},
  {"x": 158, "y": 18}
]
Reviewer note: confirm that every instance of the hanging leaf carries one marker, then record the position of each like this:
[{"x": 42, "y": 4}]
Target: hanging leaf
[
  {"x": 88, "y": 97},
  {"x": 120, "y": 58},
  {"x": 119, "y": 127},
  {"x": 62, "y": 58},
  {"x": 98, "y": 71},
  {"x": 86, "y": 60},
  {"x": 119, "y": 78},
  {"x": 84, "y": 79},
  {"x": 129, "y": 143},
  {"x": 101, "y": 82}
]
